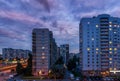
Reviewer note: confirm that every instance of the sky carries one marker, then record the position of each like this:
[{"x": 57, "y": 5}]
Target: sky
[{"x": 19, "y": 17}]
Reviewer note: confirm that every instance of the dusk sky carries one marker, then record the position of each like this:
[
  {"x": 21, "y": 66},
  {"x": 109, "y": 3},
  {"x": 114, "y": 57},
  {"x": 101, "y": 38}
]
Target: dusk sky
[{"x": 19, "y": 17}]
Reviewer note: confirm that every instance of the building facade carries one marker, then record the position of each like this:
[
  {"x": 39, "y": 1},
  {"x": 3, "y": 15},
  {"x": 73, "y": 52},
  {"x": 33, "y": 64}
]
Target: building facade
[
  {"x": 64, "y": 52},
  {"x": 100, "y": 44},
  {"x": 10, "y": 53},
  {"x": 44, "y": 50}
]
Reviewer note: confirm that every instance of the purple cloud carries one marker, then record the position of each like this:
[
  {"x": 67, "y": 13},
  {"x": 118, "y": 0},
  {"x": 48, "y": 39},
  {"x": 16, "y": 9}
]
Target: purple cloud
[{"x": 19, "y": 17}]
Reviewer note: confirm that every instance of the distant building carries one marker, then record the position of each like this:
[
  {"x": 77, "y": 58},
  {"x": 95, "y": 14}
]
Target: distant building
[
  {"x": 71, "y": 55},
  {"x": 100, "y": 44},
  {"x": 44, "y": 50},
  {"x": 0, "y": 55},
  {"x": 64, "y": 52},
  {"x": 77, "y": 55},
  {"x": 10, "y": 53}
]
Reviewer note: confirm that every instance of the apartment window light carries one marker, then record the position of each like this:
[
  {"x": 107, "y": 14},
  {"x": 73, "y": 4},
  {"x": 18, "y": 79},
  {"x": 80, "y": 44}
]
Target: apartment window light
[
  {"x": 115, "y": 25},
  {"x": 43, "y": 57},
  {"x": 110, "y": 69},
  {"x": 110, "y": 58},
  {"x": 115, "y": 49},
  {"x": 88, "y": 49},
  {"x": 92, "y": 39},
  {"x": 96, "y": 52},
  {"x": 43, "y": 53},
  {"x": 110, "y": 62},
  {"x": 110, "y": 42},
  {"x": 110, "y": 48},
  {"x": 118, "y": 25},
  {"x": 88, "y": 22},
  {"x": 97, "y": 49},
  {"x": 110, "y": 52},
  {"x": 96, "y": 26},
  {"x": 115, "y": 69},
  {"x": 110, "y": 22},
  {"x": 110, "y": 29},
  {"x": 43, "y": 47},
  {"x": 110, "y": 25}
]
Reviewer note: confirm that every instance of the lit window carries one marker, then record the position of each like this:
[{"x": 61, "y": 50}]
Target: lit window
[
  {"x": 110, "y": 25},
  {"x": 110, "y": 62},
  {"x": 43, "y": 47},
  {"x": 110, "y": 48},
  {"x": 110, "y": 52},
  {"x": 88, "y": 22},
  {"x": 92, "y": 39},
  {"x": 110, "y": 42},
  {"x": 96, "y": 52},
  {"x": 115, "y": 52},
  {"x": 115, "y": 25},
  {"x": 110, "y": 29},
  {"x": 115, "y": 49},
  {"x": 110, "y": 58},
  {"x": 43, "y": 57},
  {"x": 110, "y": 22},
  {"x": 43, "y": 53},
  {"x": 96, "y": 26},
  {"x": 110, "y": 69},
  {"x": 97, "y": 49},
  {"x": 88, "y": 49}
]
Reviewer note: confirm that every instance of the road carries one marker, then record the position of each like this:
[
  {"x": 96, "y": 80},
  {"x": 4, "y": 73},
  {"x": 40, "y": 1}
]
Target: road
[
  {"x": 5, "y": 75},
  {"x": 9, "y": 67}
]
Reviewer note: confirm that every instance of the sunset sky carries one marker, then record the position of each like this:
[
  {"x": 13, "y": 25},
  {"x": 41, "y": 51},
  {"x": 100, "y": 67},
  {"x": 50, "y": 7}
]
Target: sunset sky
[{"x": 19, "y": 17}]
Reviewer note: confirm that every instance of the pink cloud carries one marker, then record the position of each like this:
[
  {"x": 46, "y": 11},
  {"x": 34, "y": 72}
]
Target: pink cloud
[
  {"x": 21, "y": 17},
  {"x": 11, "y": 34}
]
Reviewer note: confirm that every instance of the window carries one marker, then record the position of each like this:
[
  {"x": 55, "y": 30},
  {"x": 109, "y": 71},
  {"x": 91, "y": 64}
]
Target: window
[
  {"x": 92, "y": 39},
  {"x": 110, "y": 29},
  {"x": 96, "y": 26},
  {"x": 43, "y": 53},
  {"x": 88, "y": 49},
  {"x": 110, "y": 25},
  {"x": 110, "y": 52},
  {"x": 110, "y": 42},
  {"x": 88, "y": 22},
  {"x": 110, "y": 62},
  {"x": 97, "y": 49},
  {"x": 110, "y": 58},
  {"x": 110, "y": 48},
  {"x": 115, "y": 49},
  {"x": 43, "y": 47},
  {"x": 110, "y": 22},
  {"x": 43, "y": 57}
]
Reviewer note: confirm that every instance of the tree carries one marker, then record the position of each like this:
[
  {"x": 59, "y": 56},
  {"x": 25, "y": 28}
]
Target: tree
[
  {"x": 72, "y": 66},
  {"x": 1, "y": 58},
  {"x": 19, "y": 68},
  {"x": 59, "y": 61},
  {"x": 57, "y": 70},
  {"x": 28, "y": 69}
]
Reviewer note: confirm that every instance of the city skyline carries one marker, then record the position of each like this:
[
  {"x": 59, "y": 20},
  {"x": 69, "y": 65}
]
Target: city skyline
[{"x": 18, "y": 18}]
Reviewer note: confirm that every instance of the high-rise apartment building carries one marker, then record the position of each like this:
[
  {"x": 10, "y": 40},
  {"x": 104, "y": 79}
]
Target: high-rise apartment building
[
  {"x": 10, "y": 53},
  {"x": 100, "y": 44},
  {"x": 44, "y": 50},
  {"x": 64, "y": 52}
]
